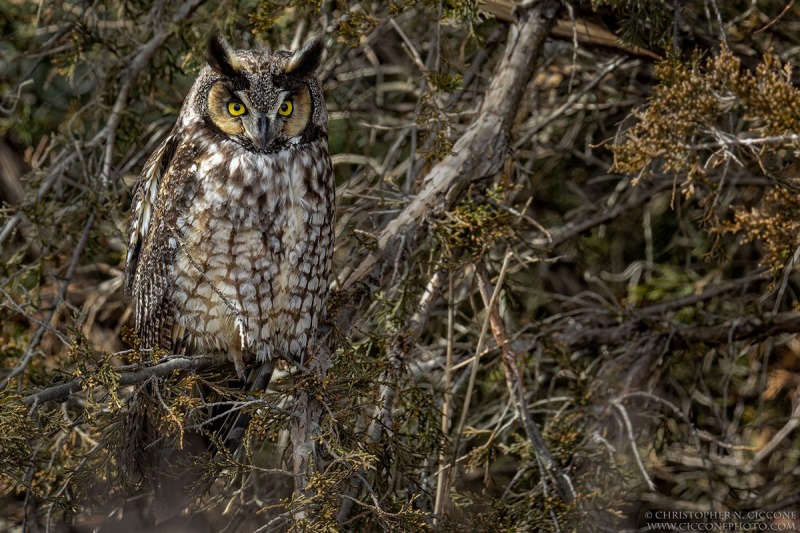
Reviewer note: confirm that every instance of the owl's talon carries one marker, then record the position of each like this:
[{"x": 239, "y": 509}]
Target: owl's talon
[
  {"x": 238, "y": 363},
  {"x": 240, "y": 373}
]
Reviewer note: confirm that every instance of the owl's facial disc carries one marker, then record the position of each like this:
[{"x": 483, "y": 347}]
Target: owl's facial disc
[{"x": 272, "y": 126}]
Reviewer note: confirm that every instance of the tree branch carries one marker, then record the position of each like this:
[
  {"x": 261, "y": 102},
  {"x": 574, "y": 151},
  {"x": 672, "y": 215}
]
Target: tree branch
[
  {"x": 577, "y": 30},
  {"x": 128, "y": 376},
  {"x": 562, "y": 235},
  {"x": 740, "y": 329},
  {"x": 478, "y": 153}
]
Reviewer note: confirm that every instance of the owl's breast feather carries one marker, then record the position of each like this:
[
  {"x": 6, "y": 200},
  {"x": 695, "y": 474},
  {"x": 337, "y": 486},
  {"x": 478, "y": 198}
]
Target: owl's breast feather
[{"x": 249, "y": 255}]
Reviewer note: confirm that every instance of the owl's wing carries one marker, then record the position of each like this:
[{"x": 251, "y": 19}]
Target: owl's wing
[
  {"x": 145, "y": 279},
  {"x": 145, "y": 194}
]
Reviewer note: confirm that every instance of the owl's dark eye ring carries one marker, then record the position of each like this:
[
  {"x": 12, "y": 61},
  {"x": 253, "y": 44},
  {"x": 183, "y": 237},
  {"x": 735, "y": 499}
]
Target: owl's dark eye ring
[
  {"x": 286, "y": 108},
  {"x": 236, "y": 109}
]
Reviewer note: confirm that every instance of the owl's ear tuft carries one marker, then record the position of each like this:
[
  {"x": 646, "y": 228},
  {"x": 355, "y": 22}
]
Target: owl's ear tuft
[
  {"x": 222, "y": 58},
  {"x": 306, "y": 60}
]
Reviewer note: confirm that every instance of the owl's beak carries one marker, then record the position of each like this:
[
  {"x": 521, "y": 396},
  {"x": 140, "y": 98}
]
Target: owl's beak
[{"x": 261, "y": 131}]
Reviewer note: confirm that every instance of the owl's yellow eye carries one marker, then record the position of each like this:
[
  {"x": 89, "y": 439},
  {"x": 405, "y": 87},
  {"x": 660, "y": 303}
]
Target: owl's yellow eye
[
  {"x": 286, "y": 108},
  {"x": 236, "y": 109}
]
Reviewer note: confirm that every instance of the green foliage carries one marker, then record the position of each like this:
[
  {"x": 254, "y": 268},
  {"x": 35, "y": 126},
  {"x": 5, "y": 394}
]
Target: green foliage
[
  {"x": 445, "y": 82},
  {"x": 667, "y": 283},
  {"x": 357, "y": 24},
  {"x": 17, "y": 432},
  {"x": 642, "y": 22},
  {"x": 473, "y": 228},
  {"x": 270, "y": 16}
]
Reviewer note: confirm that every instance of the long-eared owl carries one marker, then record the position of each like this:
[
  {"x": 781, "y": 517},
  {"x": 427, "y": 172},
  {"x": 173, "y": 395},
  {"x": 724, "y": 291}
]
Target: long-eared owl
[{"x": 231, "y": 234}]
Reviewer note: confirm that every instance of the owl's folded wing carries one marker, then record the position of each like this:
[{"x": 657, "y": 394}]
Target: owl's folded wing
[{"x": 143, "y": 281}]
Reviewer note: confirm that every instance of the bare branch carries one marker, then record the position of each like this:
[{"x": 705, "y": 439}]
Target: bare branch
[
  {"x": 728, "y": 140},
  {"x": 634, "y": 447},
  {"x": 581, "y": 30},
  {"x": 560, "y": 236}
]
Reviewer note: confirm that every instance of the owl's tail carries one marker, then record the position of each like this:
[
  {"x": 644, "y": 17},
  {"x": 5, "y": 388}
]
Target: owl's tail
[
  {"x": 225, "y": 428},
  {"x": 175, "y": 471}
]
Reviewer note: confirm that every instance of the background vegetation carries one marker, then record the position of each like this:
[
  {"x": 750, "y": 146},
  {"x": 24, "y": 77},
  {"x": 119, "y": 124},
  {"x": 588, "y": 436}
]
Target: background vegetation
[{"x": 595, "y": 320}]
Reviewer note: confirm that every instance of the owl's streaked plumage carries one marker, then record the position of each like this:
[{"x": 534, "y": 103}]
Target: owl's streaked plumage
[{"x": 231, "y": 234}]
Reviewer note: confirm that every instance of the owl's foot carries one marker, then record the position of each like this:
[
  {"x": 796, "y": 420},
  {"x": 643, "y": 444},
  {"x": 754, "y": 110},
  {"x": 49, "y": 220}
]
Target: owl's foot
[{"x": 238, "y": 363}]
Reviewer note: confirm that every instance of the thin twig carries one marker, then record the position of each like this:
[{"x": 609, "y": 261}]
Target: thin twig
[
  {"x": 723, "y": 35},
  {"x": 778, "y": 17},
  {"x": 444, "y": 473},
  {"x": 560, "y": 236},
  {"x": 632, "y": 439},
  {"x": 537, "y": 123},
  {"x": 782, "y": 433},
  {"x": 474, "y": 371},
  {"x": 516, "y": 388},
  {"x": 729, "y": 140}
]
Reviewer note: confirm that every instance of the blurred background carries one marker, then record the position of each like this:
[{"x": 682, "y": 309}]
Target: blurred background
[{"x": 638, "y": 247}]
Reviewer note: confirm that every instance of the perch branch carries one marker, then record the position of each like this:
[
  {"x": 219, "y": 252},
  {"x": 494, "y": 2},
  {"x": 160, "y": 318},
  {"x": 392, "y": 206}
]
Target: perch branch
[{"x": 128, "y": 376}]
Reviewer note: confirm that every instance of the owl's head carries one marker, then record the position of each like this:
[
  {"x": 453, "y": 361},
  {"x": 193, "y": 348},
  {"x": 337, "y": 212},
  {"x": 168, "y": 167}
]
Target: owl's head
[{"x": 265, "y": 100}]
